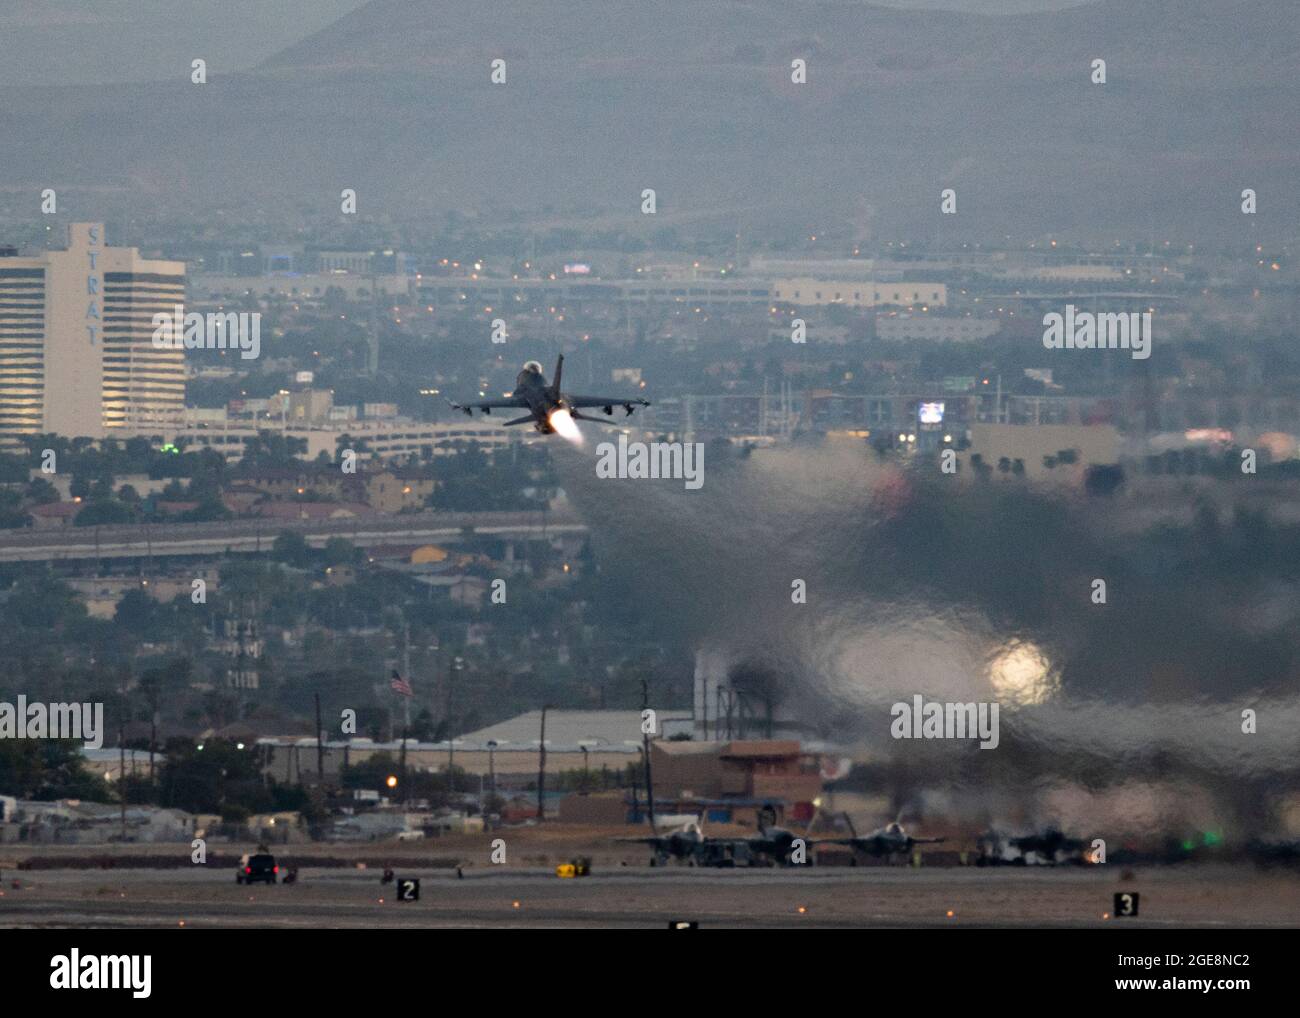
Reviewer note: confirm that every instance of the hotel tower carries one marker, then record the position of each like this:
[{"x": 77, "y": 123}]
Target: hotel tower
[{"x": 76, "y": 350}]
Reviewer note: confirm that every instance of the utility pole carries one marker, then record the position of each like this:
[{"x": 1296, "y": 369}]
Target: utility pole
[
  {"x": 541, "y": 769},
  {"x": 645, "y": 742},
  {"x": 153, "y": 742},
  {"x": 121, "y": 749},
  {"x": 406, "y": 700},
  {"x": 401, "y": 768},
  {"x": 320, "y": 746},
  {"x": 121, "y": 769},
  {"x": 406, "y": 673}
]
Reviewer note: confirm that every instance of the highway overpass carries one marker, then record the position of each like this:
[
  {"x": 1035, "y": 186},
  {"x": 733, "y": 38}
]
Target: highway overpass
[{"x": 157, "y": 540}]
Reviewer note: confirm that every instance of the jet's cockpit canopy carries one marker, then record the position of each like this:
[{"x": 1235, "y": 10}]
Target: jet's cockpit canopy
[{"x": 533, "y": 368}]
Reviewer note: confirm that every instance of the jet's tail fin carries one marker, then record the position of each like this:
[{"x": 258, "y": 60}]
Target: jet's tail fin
[{"x": 559, "y": 374}]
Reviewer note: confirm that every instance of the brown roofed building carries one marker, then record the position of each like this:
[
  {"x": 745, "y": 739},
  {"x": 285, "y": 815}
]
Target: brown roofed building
[
  {"x": 775, "y": 769},
  {"x": 52, "y": 515},
  {"x": 311, "y": 510},
  {"x": 279, "y": 482}
]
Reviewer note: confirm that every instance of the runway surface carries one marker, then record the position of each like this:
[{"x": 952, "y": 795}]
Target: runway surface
[{"x": 1171, "y": 897}]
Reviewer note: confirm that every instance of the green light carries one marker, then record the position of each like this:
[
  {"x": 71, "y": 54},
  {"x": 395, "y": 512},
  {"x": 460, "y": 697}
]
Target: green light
[{"x": 1211, "y": 838}]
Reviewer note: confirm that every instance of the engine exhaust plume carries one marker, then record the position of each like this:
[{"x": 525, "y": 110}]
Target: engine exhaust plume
[{"x": 565, "y": 426}]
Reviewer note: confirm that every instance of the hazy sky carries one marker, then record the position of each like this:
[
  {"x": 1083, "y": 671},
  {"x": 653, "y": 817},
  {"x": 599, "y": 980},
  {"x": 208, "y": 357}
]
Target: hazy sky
[{"x": 47, "y": 42}]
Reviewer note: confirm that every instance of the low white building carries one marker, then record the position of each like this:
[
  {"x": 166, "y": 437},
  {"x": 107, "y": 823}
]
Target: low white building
[{"x": 74, "y": 822}]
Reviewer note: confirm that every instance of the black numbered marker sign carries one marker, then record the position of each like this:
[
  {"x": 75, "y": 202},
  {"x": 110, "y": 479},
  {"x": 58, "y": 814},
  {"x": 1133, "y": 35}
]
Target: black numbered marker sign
[
  {"x": 408, "y": 889},
  {"x": 1126, "y": 903}
]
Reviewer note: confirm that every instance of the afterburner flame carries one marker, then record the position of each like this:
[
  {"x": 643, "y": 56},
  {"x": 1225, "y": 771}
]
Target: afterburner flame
[{"x": 565, "y": 426}]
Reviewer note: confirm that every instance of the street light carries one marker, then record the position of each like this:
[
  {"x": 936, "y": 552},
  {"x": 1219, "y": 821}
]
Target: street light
[{"x": 457, "y": 665}]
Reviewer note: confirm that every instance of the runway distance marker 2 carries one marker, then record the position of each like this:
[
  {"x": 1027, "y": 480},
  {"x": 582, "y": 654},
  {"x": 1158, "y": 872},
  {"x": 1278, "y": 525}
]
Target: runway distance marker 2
[{"x": 408, "y": 889}]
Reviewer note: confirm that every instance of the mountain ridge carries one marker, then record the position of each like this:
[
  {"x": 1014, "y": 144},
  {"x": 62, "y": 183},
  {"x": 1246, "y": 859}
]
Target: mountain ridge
[{"x": 1000, "y": 108}]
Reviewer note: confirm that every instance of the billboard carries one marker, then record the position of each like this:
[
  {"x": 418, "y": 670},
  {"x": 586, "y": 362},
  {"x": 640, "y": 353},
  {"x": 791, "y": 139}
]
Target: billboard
[{"x": 930, "y": 413}]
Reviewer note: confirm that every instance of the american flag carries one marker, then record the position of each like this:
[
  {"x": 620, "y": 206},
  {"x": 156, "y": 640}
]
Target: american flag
[{"x": 400, "y": 685}]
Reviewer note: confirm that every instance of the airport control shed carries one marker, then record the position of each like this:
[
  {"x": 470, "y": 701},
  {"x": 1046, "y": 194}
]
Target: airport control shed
[
  {"x": 775, "y": 769},
  {"x": 726, "y": 782}
]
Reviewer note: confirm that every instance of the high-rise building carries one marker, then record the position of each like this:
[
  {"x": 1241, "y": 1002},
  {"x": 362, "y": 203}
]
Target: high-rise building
[{"x": 76, "y": 341}]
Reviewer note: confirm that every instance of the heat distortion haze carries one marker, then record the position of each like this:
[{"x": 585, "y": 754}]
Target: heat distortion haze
[{"x": 650, "y": 465}]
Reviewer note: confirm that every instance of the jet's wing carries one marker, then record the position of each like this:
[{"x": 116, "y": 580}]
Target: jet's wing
[
  {"x": 607, "y": 402},
  {"x": 488, "y": 405},
  {"x": 578, "y": 415},
  {"x": 875, "y": 846}
]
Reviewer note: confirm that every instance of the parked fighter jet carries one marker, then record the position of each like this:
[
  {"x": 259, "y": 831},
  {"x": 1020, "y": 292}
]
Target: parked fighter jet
[
  {"x": 885, "y": 842},
  {"x": 776, "y": 845},
  {"x": 685, "y": 844},
  {"x": 551, "y": 410},
  {"x": 689, "y": 844}
]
